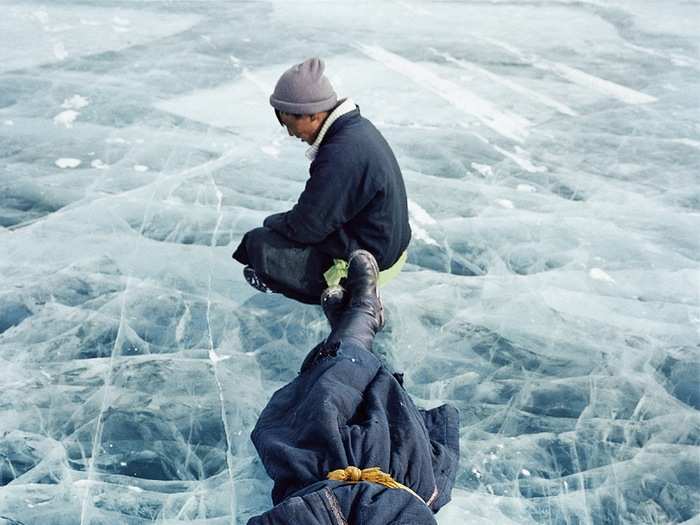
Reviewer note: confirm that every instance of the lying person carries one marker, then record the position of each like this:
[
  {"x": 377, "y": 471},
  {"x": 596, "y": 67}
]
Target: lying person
[
  {"x": 354, "y": 198},
  {"x": 343, "y": 442}
]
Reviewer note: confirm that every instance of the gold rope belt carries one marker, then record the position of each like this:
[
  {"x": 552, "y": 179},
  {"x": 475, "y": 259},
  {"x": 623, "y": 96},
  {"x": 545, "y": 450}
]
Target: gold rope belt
[{"x": 373, "y": 475}]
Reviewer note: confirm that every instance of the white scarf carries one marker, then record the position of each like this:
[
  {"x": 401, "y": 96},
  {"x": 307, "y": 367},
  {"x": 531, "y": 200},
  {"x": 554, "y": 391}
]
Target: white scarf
[{"x": 345, "y": 107}]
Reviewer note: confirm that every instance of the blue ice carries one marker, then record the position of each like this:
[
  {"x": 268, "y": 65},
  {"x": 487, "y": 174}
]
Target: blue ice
[{"x": 551, "y": 152}]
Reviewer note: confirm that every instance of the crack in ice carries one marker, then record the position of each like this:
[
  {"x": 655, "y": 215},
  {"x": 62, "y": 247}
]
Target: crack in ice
[
  {"x": 215, "y": 358},
  {"x": 105, "y": 400}
]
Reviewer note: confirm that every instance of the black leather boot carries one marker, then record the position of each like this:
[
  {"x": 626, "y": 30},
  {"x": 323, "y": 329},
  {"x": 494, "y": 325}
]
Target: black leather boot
[
  {"x": 364, "y": 315},
  {"x": 334, "y": 300}
]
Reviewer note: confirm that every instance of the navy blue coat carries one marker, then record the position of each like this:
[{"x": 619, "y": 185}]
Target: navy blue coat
[
  {"x": 354, "y": 198},
  {"x": 346, "y": 409}
]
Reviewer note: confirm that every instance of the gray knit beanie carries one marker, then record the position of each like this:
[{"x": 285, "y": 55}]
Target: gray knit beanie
[{"x": 304, "y": 90}]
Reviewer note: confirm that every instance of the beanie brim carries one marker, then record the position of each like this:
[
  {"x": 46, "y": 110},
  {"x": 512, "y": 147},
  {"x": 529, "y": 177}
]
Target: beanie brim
[{"x": 304, "y": 108}]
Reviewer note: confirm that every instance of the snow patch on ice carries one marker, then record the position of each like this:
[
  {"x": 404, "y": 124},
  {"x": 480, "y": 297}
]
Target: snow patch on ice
[
  {"x": 66, "y": 118},
  {"x": 484, "y": 169},
  {"x": 271, "y": 150},
  {"x": 419, "y": 233},
  {"x": 59, "y": 51},
  {"x": 419, "y": 218},
  {"x": 419, "y": 214},
  {"x": 675, "y": 58},
  {"x": 576, "y": 76},
  {"x": 75, "y": 102},
  {"x": 600, "y": 275},
  {"x": 503, "y": 122},
  {"x": 625, "y": 94},
  {"x": 216, "y": 358},
  {"x": 526, "y": 188},
  {"x": 406, "y": 125},
  {"x": 68, "y": 163},
  {"x": 99, "y": 164},
  {"x": 42, "y": 16},
  {"x": 140, "y": 168},
  {"x": 82, "y": 483},
  {"x": 687, "y": 142},
  {"x": 520, "y": 158},
  {"x": 514, "y": 86},
  {"x": 257, "y": 81},
  {"x": 505, "y": 203},
  {"x": 116, "y": 140}
]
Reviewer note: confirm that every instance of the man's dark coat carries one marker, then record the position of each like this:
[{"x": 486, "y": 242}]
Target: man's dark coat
[
  {"x": 346, "y": 409},
  {"x": 354, "y": 198}
]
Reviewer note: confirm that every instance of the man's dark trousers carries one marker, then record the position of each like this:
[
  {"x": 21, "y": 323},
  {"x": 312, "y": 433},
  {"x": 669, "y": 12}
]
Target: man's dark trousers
[{"x": 287, "y": 267}]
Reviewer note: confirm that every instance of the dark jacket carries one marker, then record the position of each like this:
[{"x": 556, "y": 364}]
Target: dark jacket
[
  {"x": 354, "y": 198},
  {"x": 348, "y": 410}
]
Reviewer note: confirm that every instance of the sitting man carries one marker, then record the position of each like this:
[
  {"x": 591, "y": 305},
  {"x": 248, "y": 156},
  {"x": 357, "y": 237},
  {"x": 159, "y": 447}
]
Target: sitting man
[
  {"x": 354, "y": 198},
  {"x": 343, "y": 442}
]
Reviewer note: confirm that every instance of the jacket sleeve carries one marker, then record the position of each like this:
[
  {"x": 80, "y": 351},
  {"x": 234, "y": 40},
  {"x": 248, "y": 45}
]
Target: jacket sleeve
[
  {"x": 337, "y": 191},
  {"x": 273, "y": 220}
]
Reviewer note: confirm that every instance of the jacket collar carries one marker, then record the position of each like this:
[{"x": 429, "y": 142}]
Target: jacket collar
[{"x": 345, "y": 107}]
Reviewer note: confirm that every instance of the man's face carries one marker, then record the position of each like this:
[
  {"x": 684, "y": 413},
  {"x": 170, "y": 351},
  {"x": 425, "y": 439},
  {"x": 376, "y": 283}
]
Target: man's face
[{"x": 305, "y": 127}]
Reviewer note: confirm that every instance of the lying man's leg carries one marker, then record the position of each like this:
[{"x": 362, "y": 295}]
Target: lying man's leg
[
  {"x": 355, "y": 311},
  {"x": 343, "y": 442},
  {"x": 283, "y": 266},
  {"x": 364, "y": 316}
]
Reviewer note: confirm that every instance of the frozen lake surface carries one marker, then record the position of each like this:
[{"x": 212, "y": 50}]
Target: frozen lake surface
[{"x": 551, "y": 152}]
